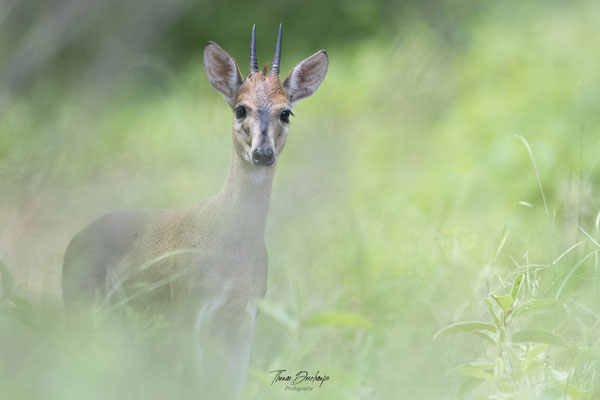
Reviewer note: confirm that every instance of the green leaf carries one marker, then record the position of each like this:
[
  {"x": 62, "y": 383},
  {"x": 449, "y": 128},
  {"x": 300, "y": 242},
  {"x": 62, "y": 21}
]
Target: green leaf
[
  {"x": 505, "y": 386},
  {"x": 467, "y": 387},
  {"x": 22, "y": 312},
  {"x": 481, "y": 364},
  {"x": 585, "y": 355},
  {"x": 517, "y": 285},
  {"x": 505, "y": 302},
  {"x": 532, "y": 305},
  {"x": 538, "y": 336},
  {"x": 22, "y": 305},
  {"x": 490, "y": 307},
  {"x": 462, "y": 327},
  {"x": 530, "y": 362},
  {"x": 572, "y": 390},
  {"x": 530, "y": 365},
  {"x": 536, "y": 351},
  {"x": 486, "y": 335},
  {"x": 336, "y": 318},
  {"x": 17, "y": 316},
  {"x": 473, "y": 372}
]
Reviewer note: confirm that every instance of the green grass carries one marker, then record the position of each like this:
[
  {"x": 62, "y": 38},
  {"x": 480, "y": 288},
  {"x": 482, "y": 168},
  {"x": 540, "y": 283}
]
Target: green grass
[{"x": 404, "y": 197}]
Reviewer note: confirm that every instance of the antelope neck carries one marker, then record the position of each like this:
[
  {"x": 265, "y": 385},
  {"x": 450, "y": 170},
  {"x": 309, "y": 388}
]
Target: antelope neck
[{"x": 246, "y": 194}]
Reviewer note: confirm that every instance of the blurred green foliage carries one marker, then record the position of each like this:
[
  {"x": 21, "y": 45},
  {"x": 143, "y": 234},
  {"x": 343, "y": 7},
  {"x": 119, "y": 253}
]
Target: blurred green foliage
[
  {"x": 71, "y": 39},
  {"x": 404, "y": 194}
]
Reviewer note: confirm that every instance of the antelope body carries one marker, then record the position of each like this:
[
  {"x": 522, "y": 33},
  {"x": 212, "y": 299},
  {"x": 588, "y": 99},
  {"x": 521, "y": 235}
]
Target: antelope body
[{"x": 207, "y": 264}]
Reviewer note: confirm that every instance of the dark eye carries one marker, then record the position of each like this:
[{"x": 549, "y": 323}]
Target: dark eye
[
  {"x": 285, "y": 116},
  {"x": 240, "y": 112}
]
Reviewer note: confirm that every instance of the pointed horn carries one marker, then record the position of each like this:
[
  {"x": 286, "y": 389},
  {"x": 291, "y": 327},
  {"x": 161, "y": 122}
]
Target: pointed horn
[
  {"x": 253, "y": 62},
  {"x": 277, "y": 56}
]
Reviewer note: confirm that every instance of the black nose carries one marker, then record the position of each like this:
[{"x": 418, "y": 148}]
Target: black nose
[{"x": 263, "y": 156}]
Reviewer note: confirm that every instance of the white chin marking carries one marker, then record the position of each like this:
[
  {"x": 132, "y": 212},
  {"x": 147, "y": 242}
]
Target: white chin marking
[{"x": 258, "y": 175}]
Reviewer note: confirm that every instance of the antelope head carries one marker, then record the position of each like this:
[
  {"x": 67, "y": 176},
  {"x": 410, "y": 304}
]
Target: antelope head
[{"x": 262, "y": 105}]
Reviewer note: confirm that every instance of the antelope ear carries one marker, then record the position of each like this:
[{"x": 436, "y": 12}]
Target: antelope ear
[
  {"x": 306, "y": 76},
  {"x": 222, "y": 71}
]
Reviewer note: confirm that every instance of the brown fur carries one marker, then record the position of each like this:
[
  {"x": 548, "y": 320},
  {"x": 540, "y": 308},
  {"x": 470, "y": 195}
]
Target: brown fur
[{"x": 262, "y": 88}]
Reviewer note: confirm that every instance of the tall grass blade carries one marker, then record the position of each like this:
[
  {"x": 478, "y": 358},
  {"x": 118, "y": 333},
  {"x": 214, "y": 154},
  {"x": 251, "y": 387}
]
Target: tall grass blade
[
  {"x": 502, "y": 242},
  {"x": 568, "y": 277},
  {"x": 537, "y": 174},
  {"x": 588, "y": 236},
  {"x": 336, "y": 318},
  {"x": 567, "y": 251}
]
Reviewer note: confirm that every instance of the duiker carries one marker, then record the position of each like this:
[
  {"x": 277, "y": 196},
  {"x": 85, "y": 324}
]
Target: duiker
[{"x": 206, "y": 264}]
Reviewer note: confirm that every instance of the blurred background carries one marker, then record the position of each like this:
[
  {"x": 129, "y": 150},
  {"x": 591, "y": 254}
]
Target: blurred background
[{"x": 452, "y": 146}]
